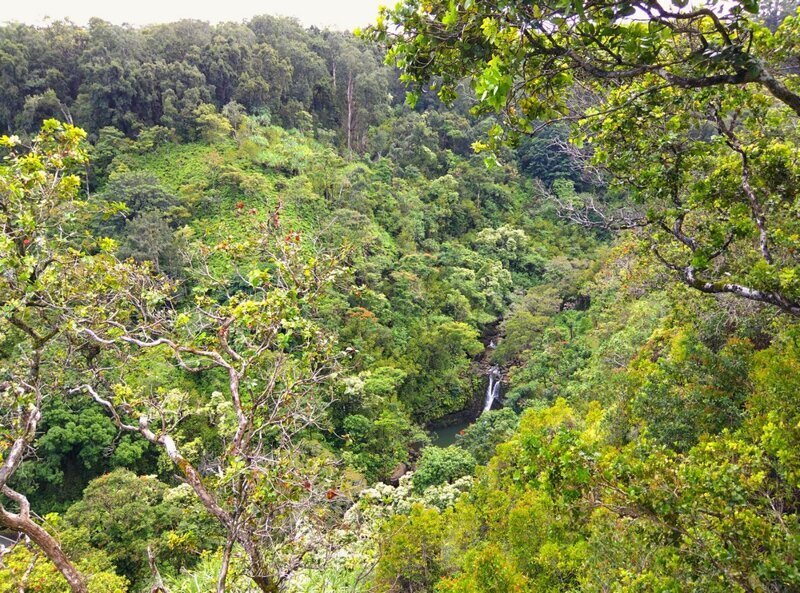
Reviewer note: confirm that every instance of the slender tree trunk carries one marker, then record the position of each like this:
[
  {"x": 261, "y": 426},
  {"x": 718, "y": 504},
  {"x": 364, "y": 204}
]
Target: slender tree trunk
[
  {"x": 259, "y": 574},
  {"x": 22, "y": 523},
  {"x": 158, "y": 583},
  {"x": 226, "y": 561},
  {"x": 349, "y": 110}
]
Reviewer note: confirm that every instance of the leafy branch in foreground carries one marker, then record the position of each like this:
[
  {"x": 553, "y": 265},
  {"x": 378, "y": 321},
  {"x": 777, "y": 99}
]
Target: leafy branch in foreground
[
  {"x": 268, "y": 367},
  {"x": 48, "y": 270},
  {"x": 692, "y": 110}
]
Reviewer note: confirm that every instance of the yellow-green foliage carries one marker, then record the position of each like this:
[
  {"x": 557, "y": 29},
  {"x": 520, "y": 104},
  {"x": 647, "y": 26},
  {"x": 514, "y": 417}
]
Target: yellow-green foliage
[
  {"x": 26, "y": 569},
  {"x": 558, "y": 508}
]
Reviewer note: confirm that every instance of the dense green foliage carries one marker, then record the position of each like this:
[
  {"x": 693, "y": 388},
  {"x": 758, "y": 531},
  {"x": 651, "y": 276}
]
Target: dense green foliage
[
  {"x": 176, "y": 75},
  {"x": 441, "y": 466},
  {"x": 231, "y": 311},
  {"x": 691, "y": 111}
]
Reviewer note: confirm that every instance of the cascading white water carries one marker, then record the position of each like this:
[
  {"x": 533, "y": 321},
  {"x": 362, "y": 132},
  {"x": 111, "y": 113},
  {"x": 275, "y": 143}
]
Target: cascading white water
[{"x": 493, "y": 389}]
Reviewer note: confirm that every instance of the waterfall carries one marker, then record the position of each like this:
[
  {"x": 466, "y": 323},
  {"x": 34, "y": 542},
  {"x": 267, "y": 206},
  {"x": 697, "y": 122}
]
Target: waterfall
[{"x": 493, "y": 389}]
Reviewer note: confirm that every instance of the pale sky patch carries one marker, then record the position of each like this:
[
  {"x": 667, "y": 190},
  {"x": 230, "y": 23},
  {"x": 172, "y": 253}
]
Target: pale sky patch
[{"x": 345, "y": 14}]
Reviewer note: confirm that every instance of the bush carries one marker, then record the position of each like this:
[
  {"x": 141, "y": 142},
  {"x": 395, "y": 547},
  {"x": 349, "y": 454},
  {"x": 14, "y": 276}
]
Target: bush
[
  {"x": 442, "y": 466},
  {"x": 489, "y": 430}
]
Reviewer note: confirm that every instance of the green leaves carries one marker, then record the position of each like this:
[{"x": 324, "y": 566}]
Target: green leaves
[
  {"x": 450, "y": 17},
  {"x": 666, "y": 117},
  {"x": 493, "y": 86},
  {"x": 490, "y": 28},
  {"x": 441, "y": 466},
  {"x": 750, "y": 6}
]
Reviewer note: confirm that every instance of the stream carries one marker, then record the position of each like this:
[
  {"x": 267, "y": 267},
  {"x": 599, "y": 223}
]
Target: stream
[
  {"x": 444, "y": 436},
  {"x": 493, "y": 388}
]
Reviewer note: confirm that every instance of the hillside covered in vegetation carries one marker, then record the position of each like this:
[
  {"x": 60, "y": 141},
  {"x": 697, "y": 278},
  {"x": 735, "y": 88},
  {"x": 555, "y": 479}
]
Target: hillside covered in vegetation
[{"x": 268, "y": 324}]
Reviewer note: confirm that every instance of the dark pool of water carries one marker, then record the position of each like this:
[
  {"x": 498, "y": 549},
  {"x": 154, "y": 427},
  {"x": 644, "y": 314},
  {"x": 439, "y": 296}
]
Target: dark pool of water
[{"x": 446, "y": 435}]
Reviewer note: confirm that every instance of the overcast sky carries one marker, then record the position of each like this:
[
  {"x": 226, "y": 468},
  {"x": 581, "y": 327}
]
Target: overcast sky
[{"x": 341, "y": 14}]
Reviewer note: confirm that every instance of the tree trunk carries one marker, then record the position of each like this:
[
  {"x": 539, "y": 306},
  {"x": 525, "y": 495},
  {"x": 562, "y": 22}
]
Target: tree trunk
[
  {"x": 48, "y": 544},
  {"x": 22, "y": 522},
  {"x": 223, "y": 571},
  {"x": 349, "y": 110},
  {"x": 259, "y": 574}
]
